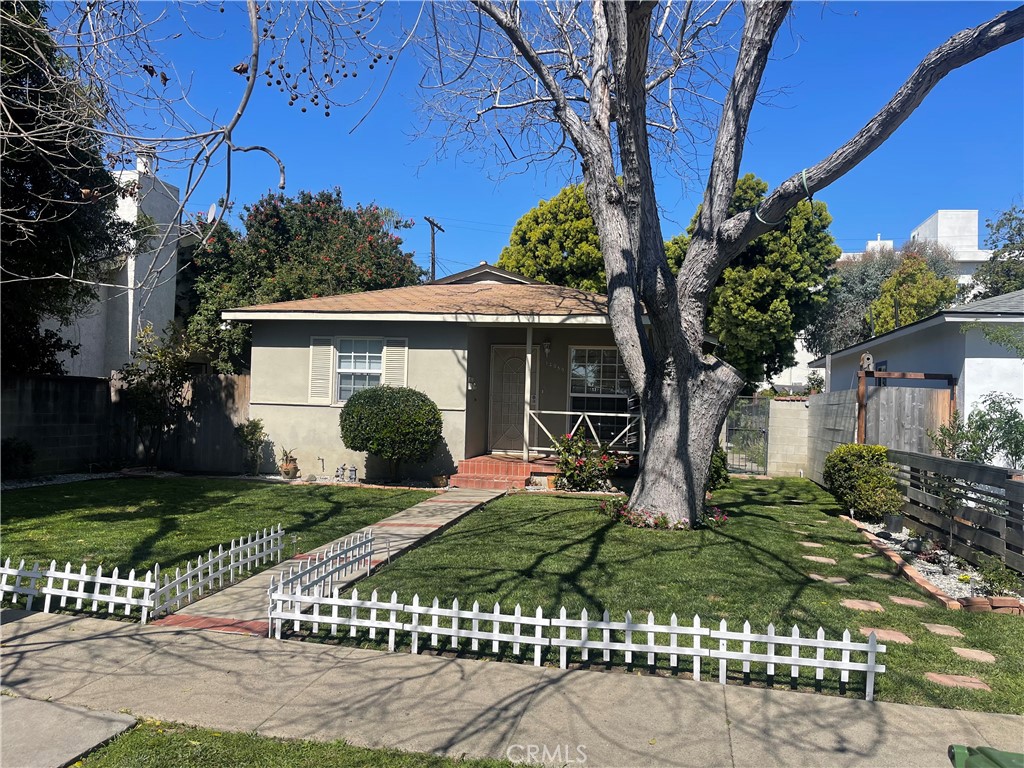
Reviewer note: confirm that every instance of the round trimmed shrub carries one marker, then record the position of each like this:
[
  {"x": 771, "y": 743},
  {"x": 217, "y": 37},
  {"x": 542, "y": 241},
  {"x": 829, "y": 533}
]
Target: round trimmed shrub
[
  {"x": 862, "y": 479},
  {"x": 395, "y": 424}
]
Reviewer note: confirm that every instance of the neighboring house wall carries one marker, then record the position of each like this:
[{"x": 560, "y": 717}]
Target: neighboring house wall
[
  {"x": 788, "y": 438},
  {"x": 939, "y": 349},
  {"x": 107, "y": 329},
  {"x": 989, "y": 368}
]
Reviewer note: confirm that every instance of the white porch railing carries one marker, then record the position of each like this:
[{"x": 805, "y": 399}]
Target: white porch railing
[{"x": 628, "y": 440}]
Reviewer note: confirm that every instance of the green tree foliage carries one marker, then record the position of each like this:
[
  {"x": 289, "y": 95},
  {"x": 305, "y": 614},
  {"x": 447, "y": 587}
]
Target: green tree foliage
[
  {"x": 843, "y": 321},
  {"x": 774, "y": 289},
  {"x": 769, "y": 294},
  {"x": 154, "y": 387},
  {"x": 556, "y": 242},
  {"x": 58, "y": 199},
  {"x": 917, "y": 291},
  {"x": 293, "y": 248},
  {"x": 1004, "y": 271},
  {"x": 995, "y": 428}
]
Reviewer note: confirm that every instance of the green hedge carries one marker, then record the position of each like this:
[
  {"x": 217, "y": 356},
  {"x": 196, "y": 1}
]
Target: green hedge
[
  {"x": 862, "y": 479},
  {"x": 394, "y": 423}
]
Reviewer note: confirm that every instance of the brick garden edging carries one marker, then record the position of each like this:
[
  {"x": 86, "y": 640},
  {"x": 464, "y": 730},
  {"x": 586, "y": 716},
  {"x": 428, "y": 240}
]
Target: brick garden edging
[{"x": 906, "y": 570}]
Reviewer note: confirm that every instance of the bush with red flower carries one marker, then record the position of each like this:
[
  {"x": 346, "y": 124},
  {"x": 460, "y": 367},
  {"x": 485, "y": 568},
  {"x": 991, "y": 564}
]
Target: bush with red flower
[{"x": 583, "y": 465}]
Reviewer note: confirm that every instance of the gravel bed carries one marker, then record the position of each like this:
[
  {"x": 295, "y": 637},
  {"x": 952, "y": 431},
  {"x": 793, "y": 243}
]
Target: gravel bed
[
  {"x": 963, "y": 579},
  {"x": 74, "y": 477}
]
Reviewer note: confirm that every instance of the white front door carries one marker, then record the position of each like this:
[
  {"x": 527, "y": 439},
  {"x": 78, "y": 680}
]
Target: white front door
[{"x": 508, "y": 389}]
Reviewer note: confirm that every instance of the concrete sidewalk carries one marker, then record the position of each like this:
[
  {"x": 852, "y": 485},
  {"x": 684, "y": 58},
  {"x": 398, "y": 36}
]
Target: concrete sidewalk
[
  {"x": 464, "y": 706},
  {"x": 244, "y": 605}
]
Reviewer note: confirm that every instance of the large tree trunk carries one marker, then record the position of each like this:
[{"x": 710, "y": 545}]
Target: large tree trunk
[{"x": 683, "y": 416}]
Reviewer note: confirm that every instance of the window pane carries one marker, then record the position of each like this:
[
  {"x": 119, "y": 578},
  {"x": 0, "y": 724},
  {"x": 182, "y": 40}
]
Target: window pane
[
  {"x": 375, "y": 346},
  {"x": 346, "y": 346}
]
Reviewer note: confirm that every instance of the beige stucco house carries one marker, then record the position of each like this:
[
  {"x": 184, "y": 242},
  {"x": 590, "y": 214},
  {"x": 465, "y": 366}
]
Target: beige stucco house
[{"x": 509, "y": 361}]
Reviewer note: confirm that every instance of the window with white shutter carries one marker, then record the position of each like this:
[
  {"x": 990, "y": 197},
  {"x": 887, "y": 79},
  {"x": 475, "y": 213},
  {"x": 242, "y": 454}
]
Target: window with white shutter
[
  {"x": 396, "y": 357},
  {"x": 321, "y": 364}
]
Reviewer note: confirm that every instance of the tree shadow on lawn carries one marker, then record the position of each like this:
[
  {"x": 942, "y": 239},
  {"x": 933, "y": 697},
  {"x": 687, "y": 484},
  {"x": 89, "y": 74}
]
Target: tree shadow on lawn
[{"x": 179, "y": 504}]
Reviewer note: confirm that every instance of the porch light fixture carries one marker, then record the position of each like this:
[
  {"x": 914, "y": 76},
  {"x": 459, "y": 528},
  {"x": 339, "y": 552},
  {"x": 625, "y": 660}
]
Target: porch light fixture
[{"x": 546, "y": 345}]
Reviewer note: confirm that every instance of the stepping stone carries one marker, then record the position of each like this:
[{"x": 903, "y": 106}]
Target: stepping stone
[
  {"x": 863, "y": 605},
  {"x": 957, "y": 681},
  {"x": 811, "y": 545},
  {"x": 862, "y": 555},
  {"x": 974, "y": 654},
  {"x": 943, "y": 629},
  {"x": 882, "y": 576},
  {"x": 908, "y": 601},
  {"x": 887, "y": 635},
  {"x": 839, "y": 581},
  {"x": 815, "y": 559},
  {"x": 802, "y": 533}
]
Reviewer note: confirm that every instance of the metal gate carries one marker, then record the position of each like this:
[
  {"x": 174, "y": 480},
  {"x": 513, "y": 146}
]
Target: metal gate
[{"x": 746, "y": 435}]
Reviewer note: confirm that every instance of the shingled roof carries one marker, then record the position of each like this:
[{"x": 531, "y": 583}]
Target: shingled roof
[{"x": 475, "y": 299}]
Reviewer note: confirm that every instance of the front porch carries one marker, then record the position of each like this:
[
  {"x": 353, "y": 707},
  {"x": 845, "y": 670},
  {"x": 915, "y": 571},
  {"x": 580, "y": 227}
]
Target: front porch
[{"x": 527, "y": 387}]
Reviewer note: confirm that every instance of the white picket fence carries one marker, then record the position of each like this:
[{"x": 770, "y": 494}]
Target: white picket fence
[
  {"x": 341, "y": 559},
  {"x": 581, "y": 635},
  {"x": 238, "y": 559},
  {"x": 99, "y": 593},
  {"x": 90, "y": 591}
]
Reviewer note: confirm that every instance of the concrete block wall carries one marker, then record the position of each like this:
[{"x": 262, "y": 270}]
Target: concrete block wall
[
  {"x": 788, "y": 423},
  {"x": 67, "y": 420}
]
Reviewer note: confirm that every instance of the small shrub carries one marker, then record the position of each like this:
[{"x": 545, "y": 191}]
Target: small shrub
[
  {"x": 998, "y": 579},
  {"x": 252, "y": 437},
  {"x": 16, "y": 458},
  {"x": 718, "y": 476},
  {"x": 862, "y": 479},
  {"x": 620, "y": 511},
  {"x": 582, "y": 465},
  {"x": 715, "y": 518},
  {"x": 393, "y": 423}
]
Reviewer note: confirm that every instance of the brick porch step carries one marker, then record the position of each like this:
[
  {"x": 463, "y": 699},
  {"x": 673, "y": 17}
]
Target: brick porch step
[{"x": 487, "y": 482}]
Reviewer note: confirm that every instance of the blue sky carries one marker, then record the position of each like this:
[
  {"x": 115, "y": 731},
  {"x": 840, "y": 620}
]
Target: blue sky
[{"x": 963, "y": 148}]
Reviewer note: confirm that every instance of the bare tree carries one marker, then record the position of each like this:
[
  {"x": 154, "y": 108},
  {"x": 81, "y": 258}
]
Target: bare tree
[{"x": 611, "y": 81}]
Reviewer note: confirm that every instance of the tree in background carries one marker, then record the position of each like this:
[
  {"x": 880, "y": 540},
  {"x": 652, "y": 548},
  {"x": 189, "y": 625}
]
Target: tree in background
[
  {"x": 914, "y": 291},
  {"x": 774, "y": 288},
  {"x": 770, "y": 294},
  {"x": 58, "y": 201},
  {"x": 1004, "y": 271},
  {"x": 293, "y": 248},
  {"x": 556, "y": 242},
  {"x": 843, "y": 321}
]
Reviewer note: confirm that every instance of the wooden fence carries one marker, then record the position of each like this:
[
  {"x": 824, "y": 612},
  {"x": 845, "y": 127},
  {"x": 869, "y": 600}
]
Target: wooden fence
[
  {"x": 576, "y": 638},
  {"x": 95, "y": 592},
  {"x": 973, "y": 509}
]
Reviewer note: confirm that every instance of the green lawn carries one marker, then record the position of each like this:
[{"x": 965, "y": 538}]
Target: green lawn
[
  {"x": 134, "y": 523},
  {"x": 154, "y": 744},
  {"x": 552, "y": 551}
]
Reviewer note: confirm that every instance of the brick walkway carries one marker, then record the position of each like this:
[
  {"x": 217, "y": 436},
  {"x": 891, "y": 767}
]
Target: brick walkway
[{"x": 242, "y": 607}]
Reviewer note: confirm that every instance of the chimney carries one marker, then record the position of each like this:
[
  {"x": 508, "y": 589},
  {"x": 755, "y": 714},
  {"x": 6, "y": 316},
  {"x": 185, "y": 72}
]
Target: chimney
[{"x": 146, "y": 161}]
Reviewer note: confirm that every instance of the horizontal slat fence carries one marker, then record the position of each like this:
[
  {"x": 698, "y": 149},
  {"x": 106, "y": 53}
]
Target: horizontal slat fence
[
  {"x": 96, "y": 592},
  {"x": 973, "y": 509},
  {"x": 576, "y": 638}
]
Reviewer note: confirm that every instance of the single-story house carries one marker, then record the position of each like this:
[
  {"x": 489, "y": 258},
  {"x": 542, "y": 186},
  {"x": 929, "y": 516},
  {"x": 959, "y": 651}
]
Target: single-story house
[
  {"x": 951, "y": 342},
  {"x": 509, "y": 361}
]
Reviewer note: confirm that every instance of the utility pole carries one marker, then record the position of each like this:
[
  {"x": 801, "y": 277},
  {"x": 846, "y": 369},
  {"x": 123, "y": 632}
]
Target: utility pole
[{"x": 434, "y": 226}]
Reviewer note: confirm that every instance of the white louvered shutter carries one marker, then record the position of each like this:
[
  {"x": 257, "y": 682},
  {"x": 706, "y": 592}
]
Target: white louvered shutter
[
  {"x": 321, "y": 365},
  {"x": 396, "y": 356}
]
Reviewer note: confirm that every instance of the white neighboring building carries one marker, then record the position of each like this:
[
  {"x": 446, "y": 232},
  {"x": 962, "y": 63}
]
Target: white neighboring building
[
  {"x": 950, "y": 342},
  {"x": 956, "y": 230},
  {"x": 107, "y": 330}
]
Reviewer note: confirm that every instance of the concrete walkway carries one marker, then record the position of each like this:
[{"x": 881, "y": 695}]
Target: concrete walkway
[
  {"x": 463, "y": 706},
  {"x": 242, "y": 607}
]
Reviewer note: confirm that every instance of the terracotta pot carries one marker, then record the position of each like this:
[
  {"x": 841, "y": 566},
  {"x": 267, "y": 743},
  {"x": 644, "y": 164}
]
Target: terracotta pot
[{"x": 290, "y": 470}]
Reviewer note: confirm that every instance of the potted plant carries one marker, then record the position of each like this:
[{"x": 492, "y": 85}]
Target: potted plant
[{"x": 289, "y": 465}]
